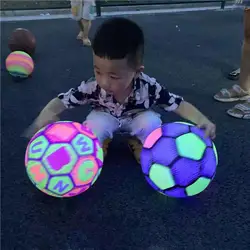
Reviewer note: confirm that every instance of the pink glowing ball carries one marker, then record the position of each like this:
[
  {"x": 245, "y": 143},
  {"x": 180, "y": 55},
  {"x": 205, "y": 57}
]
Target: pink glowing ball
[{"x": 64, "y": 159}]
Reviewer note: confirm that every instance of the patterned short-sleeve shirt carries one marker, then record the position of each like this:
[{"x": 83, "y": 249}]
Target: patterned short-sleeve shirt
[{"x": 146, "y": 93}]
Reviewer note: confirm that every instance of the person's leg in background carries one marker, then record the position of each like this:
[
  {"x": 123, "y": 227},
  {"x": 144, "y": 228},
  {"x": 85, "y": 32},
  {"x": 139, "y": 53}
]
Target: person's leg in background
[
  {"x": 103, "y": 125},
  {"x": 86, "y": 28},
  {"x": 140, "y": 128},
  {"x": 80, "y": 35},
  {"x": 245, "y": 59},
  {"x": 240, "y": 92},
  {"x": 87, "y": 17},
  {"x": 76, "y": 11},
  {"x": 243, "y": 110},
  {"x": 235, "y": 74}
]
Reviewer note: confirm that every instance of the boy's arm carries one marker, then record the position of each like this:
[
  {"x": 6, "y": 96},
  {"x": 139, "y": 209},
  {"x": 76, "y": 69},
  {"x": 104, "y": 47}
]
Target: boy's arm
[
  {"x": 191, "y": 113},
  {"x": 48, "y": 115},
  {"x": 175, "y": 103},
  {"x": 73, "y": 98},
  {"x": 187, "y": 111},
  {"x": 50, "y": 112}
]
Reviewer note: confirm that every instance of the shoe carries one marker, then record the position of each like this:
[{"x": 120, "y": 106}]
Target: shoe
[
  {"x": 136, "y": 147},
  {"x": 80, "y": 36},
  {"x": 105, "y": 146},
  {"x": 241, "y": 111},
  {"x": 233, "y": 94},
  {"x": 234, "y": 75},
  {"x": 86, "y": 42}
]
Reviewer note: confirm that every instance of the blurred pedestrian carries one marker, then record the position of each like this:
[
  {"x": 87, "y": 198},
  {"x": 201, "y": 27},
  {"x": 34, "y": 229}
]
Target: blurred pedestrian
[
  {"x": 83, "y": 11},
  {"x": 235, "y": 74},
  {"x": 241, "y": 91}
]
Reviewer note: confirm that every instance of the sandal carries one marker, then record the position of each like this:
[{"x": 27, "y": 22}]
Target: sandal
[
  {"x": 241, "y": 111},
  {"x": 234, "y": 75},
  {"x": 236, "y": 93},
  {"x": 135, "y": 147},
  {"x": 105, "y": 146},
  {"x": 80, "y": 36},
  {"x": 86, "y": 42}
]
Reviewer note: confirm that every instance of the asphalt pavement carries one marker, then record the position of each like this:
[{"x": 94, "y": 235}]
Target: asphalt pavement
[{"x": 190, "y": 53}]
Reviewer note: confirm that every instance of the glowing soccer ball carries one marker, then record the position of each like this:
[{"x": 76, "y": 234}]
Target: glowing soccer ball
[
  {"x": 177, "y": 160},
  {"x": 64, "y": 159}
]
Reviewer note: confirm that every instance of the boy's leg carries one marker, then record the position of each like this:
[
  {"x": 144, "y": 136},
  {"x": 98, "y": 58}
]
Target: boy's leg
[
  {"x": 103, "y": 126},
  {"x": 141, "y": 127}
]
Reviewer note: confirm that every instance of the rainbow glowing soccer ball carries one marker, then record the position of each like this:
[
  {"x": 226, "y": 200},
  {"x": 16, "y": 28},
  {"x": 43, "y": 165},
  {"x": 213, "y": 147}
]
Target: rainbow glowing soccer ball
[
  {"x": 19, "y": 64},
  {"x": 178, "y": 161},
  {"x": 64, "y": 159}
]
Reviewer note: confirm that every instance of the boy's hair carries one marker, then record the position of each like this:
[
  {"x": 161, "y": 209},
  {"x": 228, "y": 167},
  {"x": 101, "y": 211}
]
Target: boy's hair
[{"x": 119, "y": 38}]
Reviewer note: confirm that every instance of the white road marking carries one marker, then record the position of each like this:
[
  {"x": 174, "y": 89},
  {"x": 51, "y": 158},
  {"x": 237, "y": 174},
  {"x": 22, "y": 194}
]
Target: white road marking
[{"x": 108, "y": 14}]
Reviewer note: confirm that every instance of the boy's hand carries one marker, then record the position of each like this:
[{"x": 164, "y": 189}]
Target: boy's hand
[
  {"x": 37, "y": 125},
  {"x": 209, "y": 127},
  {"x": 191, "y": 113},
  {"x": 48, "y": 115},
  {"x": 30, "y": 131}
]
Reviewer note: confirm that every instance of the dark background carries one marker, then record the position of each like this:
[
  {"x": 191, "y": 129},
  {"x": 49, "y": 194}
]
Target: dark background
[{"x": 190, "y": 53}]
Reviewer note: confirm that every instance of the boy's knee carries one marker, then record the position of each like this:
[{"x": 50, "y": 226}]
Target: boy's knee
[
  {"x": 149, "y": 119},
  {"x": 102, "y": 124},
  {"x": 145, "y": 123}
]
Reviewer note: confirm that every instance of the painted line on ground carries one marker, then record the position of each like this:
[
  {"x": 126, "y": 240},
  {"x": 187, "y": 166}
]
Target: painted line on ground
[{"x": 109, "y": 14}]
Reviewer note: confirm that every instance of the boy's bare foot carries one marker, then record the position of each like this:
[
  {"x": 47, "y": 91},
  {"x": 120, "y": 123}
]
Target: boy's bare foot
[
  {"x": 86, "y": 42},
  {"x": 80, "y": 36}
]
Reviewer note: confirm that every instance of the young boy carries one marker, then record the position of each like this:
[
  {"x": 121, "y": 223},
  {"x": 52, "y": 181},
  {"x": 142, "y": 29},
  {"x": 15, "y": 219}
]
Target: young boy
[
  {"x": 120, "y": 94},
  {"x": 83, "y": 13}
]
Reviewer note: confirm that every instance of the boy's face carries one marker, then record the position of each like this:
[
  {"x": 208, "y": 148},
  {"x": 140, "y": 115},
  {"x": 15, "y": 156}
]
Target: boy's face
[{"x": 114, "y": 76}]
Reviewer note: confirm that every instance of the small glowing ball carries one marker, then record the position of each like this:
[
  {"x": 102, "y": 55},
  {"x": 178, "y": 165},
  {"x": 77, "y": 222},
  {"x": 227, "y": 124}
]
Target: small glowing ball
[
  {"x": 19, "y": 64},
  {"x": 64, "y": 159},
  {"x": 178, "y": 161}
]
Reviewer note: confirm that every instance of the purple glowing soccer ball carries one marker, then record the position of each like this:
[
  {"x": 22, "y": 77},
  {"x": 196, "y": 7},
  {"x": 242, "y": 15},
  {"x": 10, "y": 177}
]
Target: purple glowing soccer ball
[{"x": 178, "y": 161}]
